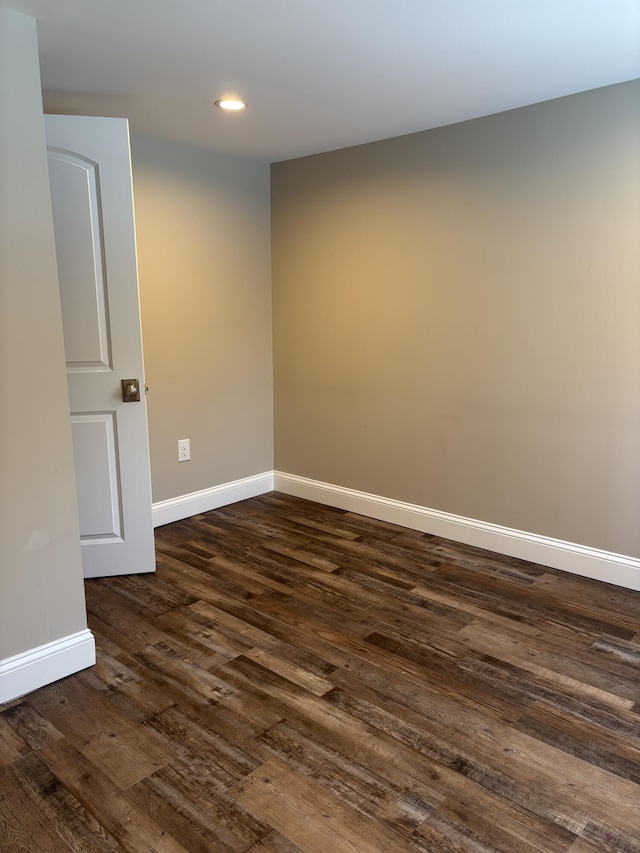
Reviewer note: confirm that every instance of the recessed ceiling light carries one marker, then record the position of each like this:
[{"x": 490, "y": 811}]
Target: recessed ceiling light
[{"x": 231, "y": 104}]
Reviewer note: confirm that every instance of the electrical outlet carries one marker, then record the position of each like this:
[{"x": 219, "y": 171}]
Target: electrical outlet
[{"x": 184, "y": 449}]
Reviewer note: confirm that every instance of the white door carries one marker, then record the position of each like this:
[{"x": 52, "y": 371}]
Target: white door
[{"x": 91, "y": 194}]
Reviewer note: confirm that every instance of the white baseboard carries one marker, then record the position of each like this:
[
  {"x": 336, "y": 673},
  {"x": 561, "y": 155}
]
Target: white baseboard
[
  {"x": 567, "y": 556},
  {"x": 184, "y": 506},
  {"x": 30, "y": 670}
]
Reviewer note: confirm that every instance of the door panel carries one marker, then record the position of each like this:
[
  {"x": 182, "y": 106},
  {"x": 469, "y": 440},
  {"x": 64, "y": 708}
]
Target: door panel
[
  {"x": 91, "y": 195},
  {"x": 97, "y": 477},
  {"x": 75, "y": 194}
]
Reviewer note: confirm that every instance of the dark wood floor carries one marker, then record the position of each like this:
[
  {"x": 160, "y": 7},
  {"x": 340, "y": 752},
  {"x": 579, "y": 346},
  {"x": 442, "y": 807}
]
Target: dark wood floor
[{"x": 296, "y": 678}]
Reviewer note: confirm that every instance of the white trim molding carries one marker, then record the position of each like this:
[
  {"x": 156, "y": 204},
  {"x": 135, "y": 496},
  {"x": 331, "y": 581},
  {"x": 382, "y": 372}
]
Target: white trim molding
[
  {"x": 184, "y": 506},
  {"x": 32, "y": 669},
  {"x": 567, "y": 556}
]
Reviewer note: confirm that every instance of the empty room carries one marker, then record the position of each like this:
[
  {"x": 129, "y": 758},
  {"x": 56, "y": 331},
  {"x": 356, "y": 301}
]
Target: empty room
[{"x": 320, "y": 476}]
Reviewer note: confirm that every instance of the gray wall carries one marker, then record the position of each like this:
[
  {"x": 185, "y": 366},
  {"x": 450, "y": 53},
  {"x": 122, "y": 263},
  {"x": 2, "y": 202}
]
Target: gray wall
[
  {"x": 41, "y": 591},
  {"x": 203, "y": 233},
  {"x": 456, "y": 318}
]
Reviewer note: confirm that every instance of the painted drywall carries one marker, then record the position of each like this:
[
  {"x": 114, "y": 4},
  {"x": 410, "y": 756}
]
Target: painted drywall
[
  {"x": 41, "y": 590},
  {"x": 203, "y": 235},
  {"x": 457, "y": 318}
]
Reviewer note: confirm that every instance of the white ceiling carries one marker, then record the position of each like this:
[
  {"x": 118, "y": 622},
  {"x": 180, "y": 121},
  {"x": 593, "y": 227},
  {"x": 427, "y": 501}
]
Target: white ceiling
[{"x": 323, "y": 74}]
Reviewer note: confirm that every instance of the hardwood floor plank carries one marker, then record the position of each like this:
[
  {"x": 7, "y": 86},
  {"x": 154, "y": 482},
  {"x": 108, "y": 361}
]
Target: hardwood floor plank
[
  {"x": 274, "y": 843},
  {"x": 24, "y": 829},
  {"x": 222, "y": 762},
  {"x": 111, "y": 807},
  {"x": 502, "y": 825},
  {"x": 180, "y": 671},
  {"x": 370, "y": 793},
  {"x": 296, "y": 679},
  {"x": 566, "y": 588},
  {"x": 202, "y": 816},
  {"x": 105, "y": 735},
  {"x": 610, "y": 838},
  {"x": 62, "y": 811},
  {"x": 441, "y": 671},
  {"x": 128, "y": 627},
  {"x": 586, "y": 742},
  {"x": 310, "y": 816},
  {"x": 553, "y": 666},
  {"x": 524, "y": 770},
  {"x": 188, "y": 624},
  {"x": 350, "y": 737},
  {"x": 298, "y": 675},
  {"x": 531, "y": 602},
  {"x": 31, "y": 726},
  {"x": 235, "y": 708},
  {"x": 129, "y": 690},
  {"x": 12, "y": 745},
  {"x": 627, "y": 651},
  {"x": 149, "y": 592},
  {"x": 580, "y": 845}
]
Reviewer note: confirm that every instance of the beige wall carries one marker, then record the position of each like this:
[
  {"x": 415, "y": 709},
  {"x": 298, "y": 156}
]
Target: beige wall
[
  {"x": 41, "y": 591},
  {"x": 203, "y": 233},
  {"x": 457, "y": 323}
]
